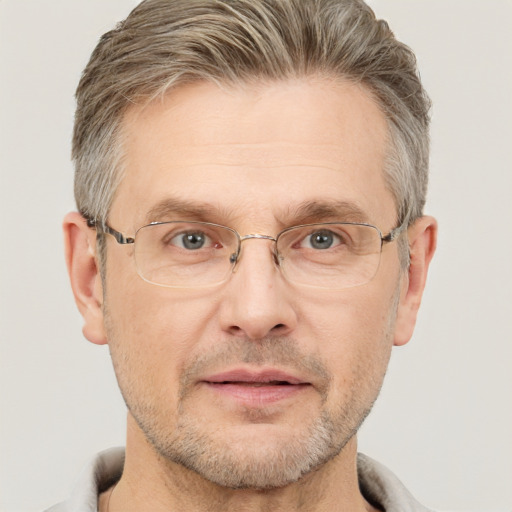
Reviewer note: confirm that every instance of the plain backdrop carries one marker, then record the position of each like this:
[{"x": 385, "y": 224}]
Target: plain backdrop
[{"x": 444, "y": 420}]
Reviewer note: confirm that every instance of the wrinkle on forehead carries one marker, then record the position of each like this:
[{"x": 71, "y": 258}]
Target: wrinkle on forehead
[{"x": 276, "y": 155}]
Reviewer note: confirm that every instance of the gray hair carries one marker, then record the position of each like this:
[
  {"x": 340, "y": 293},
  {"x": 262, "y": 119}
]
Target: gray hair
[{"x": 165, "y": 43}]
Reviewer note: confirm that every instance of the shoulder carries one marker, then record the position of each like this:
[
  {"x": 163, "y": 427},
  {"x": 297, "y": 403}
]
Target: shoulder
[
  {"x": 102, "y": 472},
  {"x": 382, "y": 488}
]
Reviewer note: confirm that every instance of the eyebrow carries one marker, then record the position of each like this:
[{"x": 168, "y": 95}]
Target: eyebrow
[
  {"x": 307, "y": 212},
  {"x": 326, "y": 210},
  {"x": 172, "y": 207}
]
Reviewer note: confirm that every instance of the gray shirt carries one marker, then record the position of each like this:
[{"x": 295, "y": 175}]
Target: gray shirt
[{"x": 378, "y": 485}]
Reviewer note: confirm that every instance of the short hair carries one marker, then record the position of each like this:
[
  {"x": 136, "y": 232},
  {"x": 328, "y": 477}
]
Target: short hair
[{"x": 166, "y": 43}]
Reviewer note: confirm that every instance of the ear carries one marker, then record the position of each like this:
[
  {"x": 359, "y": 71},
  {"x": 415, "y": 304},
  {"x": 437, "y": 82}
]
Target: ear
[
  {"x": 83, "y": 270},
  {"x": 422, "y": 244}
]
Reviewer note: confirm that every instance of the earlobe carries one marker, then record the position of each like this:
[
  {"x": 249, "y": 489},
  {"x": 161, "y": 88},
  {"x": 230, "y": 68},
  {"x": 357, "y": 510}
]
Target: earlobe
[
  {"x": 422, "y": 244},
  {"x": 83, "y": 270}
]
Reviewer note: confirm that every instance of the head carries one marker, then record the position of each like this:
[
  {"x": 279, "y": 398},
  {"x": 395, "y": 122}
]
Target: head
[{"x": 241, "y": 113}]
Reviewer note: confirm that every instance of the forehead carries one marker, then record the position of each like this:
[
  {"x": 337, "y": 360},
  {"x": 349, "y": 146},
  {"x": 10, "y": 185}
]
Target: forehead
[{"x": 254, "y": 149}]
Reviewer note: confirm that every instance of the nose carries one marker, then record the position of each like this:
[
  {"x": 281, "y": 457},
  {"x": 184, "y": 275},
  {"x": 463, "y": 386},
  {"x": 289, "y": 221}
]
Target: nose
[{"x": 257, "y": 301}]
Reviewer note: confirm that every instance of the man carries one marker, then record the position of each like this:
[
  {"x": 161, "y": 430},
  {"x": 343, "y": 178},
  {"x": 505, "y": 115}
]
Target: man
[{"x": 250, "y": 177}]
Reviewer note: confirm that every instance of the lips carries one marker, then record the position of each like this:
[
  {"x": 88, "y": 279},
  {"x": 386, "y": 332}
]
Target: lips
[
  {"x": 255, "y": 388},
  {"x": 254, "y": 377}
]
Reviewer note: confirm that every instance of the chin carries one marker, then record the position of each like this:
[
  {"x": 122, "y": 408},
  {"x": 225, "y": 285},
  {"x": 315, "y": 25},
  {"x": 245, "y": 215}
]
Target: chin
[{"x": 257, "y": 457}]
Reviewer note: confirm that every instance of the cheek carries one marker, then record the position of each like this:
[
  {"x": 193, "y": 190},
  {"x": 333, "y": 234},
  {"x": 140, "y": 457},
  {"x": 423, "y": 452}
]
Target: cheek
[
  {"x": 353, "y": 331},
  {"x": 161, "y": 323},
  {"x": 152, "y": 331},
  {"x": 355, "y": 316}
]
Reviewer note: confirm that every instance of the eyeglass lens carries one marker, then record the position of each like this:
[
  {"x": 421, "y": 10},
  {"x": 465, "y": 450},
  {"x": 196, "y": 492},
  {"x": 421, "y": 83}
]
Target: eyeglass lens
[{"x": 196, "y": 254}]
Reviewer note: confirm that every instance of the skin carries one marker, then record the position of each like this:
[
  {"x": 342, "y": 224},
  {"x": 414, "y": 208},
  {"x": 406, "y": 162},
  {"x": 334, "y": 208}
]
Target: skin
[{"x": 253, "y": 154}]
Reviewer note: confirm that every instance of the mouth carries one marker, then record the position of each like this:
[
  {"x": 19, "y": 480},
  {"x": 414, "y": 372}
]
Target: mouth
[{"x": 256, "y": 388}]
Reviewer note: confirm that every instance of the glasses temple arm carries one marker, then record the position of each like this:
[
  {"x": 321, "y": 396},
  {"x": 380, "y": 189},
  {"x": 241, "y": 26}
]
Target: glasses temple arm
[
  {"x": 102, "y": 227},
  {"x": 394, "y": 233}
]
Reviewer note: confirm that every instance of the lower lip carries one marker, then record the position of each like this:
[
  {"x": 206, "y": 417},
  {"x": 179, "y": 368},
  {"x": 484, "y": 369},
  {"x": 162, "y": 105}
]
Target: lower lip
[{"x": 257, "y": 395}]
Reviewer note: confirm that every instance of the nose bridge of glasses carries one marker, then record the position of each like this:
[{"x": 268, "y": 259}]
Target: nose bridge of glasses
[
  {"x": 235, "y": 257},
  {"x": 257, "y": 236}
]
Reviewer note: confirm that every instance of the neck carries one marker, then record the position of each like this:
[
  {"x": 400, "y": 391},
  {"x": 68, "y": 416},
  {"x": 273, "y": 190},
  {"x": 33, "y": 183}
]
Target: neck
[{"x": 152, "y": 483}]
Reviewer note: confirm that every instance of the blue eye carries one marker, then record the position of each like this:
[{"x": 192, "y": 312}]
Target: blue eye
[
  {"x": 320, "y": 240},
  {"x": 192, "y": 240}
]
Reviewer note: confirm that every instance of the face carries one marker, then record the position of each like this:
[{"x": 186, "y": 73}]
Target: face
[{"x": 256, "y": 381}]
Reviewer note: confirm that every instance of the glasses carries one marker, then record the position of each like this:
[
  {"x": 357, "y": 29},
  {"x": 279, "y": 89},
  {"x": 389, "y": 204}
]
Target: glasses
[{"x": 190, "y": 254}]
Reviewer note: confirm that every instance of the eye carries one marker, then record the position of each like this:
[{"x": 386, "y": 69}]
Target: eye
[
  {"x": 321, "y": 240},
  {"x": 191, "y": 240}
]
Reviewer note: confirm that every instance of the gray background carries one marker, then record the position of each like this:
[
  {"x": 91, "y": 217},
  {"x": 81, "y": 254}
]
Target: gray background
[{"x": 443, "y": 422}]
